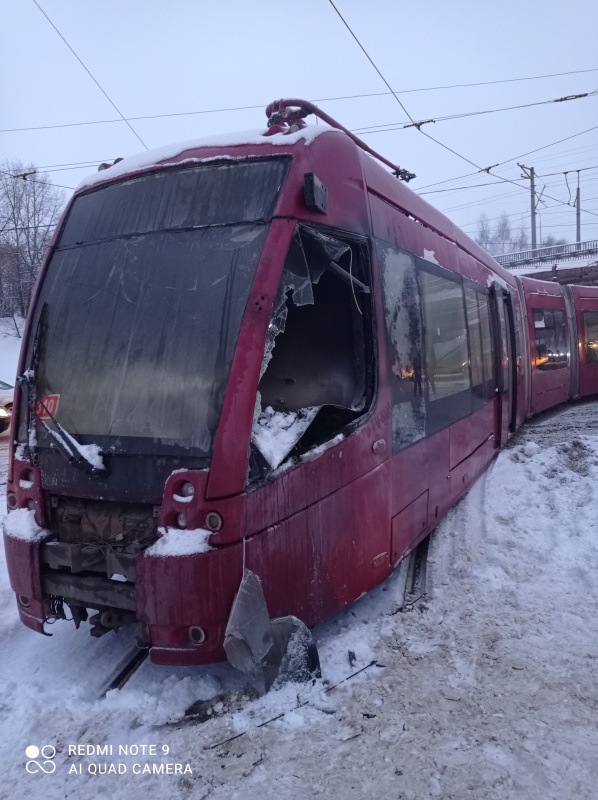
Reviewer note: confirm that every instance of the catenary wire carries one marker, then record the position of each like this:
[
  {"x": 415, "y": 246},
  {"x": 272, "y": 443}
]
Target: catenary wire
[
  {"x": 493, "y": 183},
  {"x": 395, "y": 126},
  {"x": 32, "y": 180},
  {"x": 508, "y": 161},
  {"x": 427, "y": 135},
  {"x": 317, "y": 100},
  {"x": 112, "y": 103}
]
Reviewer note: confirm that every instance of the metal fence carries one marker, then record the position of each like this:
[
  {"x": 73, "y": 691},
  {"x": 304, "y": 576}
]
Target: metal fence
[{"x": 542, "y": 255}]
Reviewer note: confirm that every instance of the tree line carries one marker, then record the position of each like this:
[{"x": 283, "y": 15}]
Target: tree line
[
  {"x": 502, "y": 238},
  {"x": 30, "y": 206}
]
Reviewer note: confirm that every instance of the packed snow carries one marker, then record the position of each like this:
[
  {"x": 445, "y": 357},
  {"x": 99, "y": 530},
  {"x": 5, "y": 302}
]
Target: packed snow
[
  {"x": 275, "y": 433},
  {"x": 89, "y": 452},
  {"x": 175, "y": 542},
  {"x": 485, "y": 688},
  {"x": 168, "y": 153},
  {"x": 21, "y": 524}
]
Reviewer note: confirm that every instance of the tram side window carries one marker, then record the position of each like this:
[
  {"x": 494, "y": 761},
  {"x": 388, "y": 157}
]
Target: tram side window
[
  {"x": 447, "y": 354},
  {"x": 480, "y": 345},
  {"x": 550, "y": 337},
  {"x": 402, "y": 312},
  {"x": 590, "y": 323},
  {"x": 317, "y": 372},
  {"x": 489, "y": 377}
]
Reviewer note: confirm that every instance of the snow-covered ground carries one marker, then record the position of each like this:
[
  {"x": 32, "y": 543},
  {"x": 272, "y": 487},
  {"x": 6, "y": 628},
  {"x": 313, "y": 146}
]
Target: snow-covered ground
[{"x": 487, "y": 689}]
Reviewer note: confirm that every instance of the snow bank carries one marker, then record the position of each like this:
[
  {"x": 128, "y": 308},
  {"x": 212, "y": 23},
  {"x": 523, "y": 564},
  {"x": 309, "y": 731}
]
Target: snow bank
[{"x": 486, "y": 688}]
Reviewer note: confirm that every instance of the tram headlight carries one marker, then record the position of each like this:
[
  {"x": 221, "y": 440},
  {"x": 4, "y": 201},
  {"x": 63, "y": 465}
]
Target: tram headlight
[
  {"x": 181, "y": 520},
  {"x": 187, "y": 490}
]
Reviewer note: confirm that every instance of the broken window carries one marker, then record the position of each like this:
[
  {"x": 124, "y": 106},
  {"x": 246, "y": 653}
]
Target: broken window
[{"x": 317, "y": 370}]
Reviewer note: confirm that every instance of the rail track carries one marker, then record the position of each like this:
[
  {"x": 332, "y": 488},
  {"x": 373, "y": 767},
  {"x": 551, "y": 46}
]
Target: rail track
[
  {"x": 415, "y": 590},
  {"x": 417, "y": 570},
  {"x": 126, "y": 673}
]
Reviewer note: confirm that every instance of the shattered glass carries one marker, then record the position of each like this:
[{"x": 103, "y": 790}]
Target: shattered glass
[{"x": 315, "y": 352}]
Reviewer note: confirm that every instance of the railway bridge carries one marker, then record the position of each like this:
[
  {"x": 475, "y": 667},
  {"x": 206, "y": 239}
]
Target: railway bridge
[{"x": 565, "y": 263}]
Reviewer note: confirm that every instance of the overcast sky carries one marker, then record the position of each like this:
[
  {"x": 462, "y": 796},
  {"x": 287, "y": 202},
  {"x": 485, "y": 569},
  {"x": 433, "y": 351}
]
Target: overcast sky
[{"x": 153, "y": 57}]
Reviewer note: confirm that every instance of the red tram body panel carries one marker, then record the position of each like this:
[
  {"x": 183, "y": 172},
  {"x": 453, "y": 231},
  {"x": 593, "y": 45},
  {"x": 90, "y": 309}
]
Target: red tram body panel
[
  {"x": 549, "y": 337},
  {"x": 281, "y": 359},
  {"x": 585, "y": 302}
]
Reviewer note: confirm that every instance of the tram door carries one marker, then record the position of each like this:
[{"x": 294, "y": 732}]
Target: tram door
[{"x": 504, "y": 360}]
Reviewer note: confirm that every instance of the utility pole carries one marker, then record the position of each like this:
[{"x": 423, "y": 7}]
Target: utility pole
[
  {"x": 578, "y": 211},
  {"x": 530, "y": 175}
]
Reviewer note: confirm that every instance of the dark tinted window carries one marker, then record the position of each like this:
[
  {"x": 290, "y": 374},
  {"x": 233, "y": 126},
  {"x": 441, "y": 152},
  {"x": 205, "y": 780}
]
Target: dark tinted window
[
  {"x": 590, "y": 323},
  {"x": 402, "y": 313},
  {"x": 447, "y": 355},
  {"x": 489, "y": 377},
  {"x": 550, "y": 338},
  {"x": 212, "y": 194}
]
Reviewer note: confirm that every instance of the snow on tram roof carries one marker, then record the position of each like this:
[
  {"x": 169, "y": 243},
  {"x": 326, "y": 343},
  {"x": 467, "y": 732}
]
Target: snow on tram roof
[{"x": 161, "y": 155}]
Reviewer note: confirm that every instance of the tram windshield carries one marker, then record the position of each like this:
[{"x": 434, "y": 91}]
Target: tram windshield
[{"x": 143, "y": 301}]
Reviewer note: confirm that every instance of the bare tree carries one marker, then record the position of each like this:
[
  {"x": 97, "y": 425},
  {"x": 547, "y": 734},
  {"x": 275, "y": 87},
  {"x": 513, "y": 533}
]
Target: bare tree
[
  {"x": 29, "y": 209},
  {"x": 503, "y": 239},
  {"x": 484, "y": 234},
  {"x": 502, "y": 235}
]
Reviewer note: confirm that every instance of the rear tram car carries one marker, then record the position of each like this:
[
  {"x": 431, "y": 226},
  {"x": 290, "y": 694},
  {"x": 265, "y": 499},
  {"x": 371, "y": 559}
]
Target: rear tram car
[{"x": 262, "y": 353}]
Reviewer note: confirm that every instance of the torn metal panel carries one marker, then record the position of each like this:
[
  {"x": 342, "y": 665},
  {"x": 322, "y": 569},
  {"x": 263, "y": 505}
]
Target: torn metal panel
[
  {"x": 267, "y": 651},
  {"x": 248, "y": 638}
]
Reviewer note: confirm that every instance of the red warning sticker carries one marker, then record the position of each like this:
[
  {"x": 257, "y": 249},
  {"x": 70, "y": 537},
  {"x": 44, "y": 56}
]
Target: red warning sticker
[{"x": 47, "y": 406}]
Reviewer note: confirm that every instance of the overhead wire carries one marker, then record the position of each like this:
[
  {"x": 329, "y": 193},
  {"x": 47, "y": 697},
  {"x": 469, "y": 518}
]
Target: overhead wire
[
  {"x": 28, "y": 178},
  {"x": 395, "y": 126},
  {"x": 515, "y": 158},
  {"x": 28, "y": 227},
  {"x": 317, "y": 100},
  {"x": 424, "y": 133},
  {"x": 391, "y": 91},
  {"x": 493, "y": 183},
  {"x": 112, "y": 103}
]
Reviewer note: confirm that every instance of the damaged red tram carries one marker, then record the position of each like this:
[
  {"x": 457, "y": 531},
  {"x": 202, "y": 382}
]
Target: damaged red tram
[{"x": 266, "y": 354}]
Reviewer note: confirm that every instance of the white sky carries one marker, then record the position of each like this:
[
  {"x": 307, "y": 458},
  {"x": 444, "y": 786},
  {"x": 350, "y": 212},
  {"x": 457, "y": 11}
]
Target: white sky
[{"x": 153, "y": 57}]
